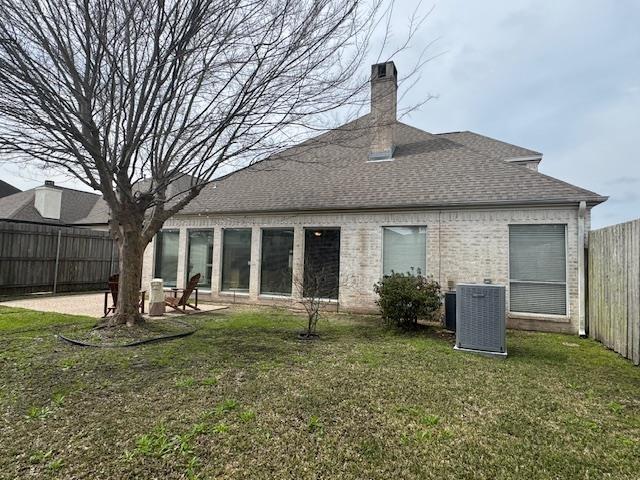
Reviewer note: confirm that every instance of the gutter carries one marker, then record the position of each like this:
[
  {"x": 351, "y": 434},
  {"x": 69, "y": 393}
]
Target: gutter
[
  {"x": 408, "y": 208},
  {"x": 582, "y": 330}
]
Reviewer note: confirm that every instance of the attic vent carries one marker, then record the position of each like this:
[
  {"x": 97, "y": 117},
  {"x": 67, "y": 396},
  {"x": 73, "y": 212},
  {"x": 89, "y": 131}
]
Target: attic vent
[{"x": 382, "y": 70}]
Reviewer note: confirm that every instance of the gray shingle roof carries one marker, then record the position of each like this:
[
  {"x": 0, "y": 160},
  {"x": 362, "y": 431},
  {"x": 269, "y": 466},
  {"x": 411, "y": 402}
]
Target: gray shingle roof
[
  {"x": 77, "y": 207},
  {"x": 7, "y": 189},
  {"x": 331, "y": 172},
  {"x": 489, "y": 146}
]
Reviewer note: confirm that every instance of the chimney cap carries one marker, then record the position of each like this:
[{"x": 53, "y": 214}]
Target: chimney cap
[
  {"x": 384, "y": 70},
  {"x": 49, "y": 183}
]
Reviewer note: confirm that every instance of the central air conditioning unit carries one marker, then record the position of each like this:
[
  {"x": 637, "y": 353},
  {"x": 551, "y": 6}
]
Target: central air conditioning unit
[{"x": 481, "y": 319}]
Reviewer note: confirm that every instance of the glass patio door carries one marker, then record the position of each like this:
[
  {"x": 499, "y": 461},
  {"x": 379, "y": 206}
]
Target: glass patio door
[
  {"x": 200, "y": 256},
  {"x": 166, "y": 261},
  {"x": 322, "y": 262}
]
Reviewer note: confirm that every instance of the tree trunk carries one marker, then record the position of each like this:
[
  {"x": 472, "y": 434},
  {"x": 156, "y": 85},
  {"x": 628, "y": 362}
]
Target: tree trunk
[{"x": 131, "y": 249}]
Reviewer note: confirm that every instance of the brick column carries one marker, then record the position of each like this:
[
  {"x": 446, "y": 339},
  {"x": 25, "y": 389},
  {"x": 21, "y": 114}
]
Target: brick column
[
  {"x": 254, "y": 274},
  {"x": 216, "y": 269},
  {"x": 298, "y": 261},
  {"x": 182, "y": 258}
]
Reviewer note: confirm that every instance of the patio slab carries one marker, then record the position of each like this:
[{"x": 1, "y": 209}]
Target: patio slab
[{"x": 90, "y": 305}]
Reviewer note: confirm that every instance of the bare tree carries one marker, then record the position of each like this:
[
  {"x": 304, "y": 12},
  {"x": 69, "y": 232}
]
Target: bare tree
[
  {"x": 316, "y": 288},
  {"x": 143, "y": 100}
]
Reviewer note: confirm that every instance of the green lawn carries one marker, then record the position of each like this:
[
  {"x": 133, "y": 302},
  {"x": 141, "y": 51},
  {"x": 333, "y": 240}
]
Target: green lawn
[{"x": 243, "y": 398}]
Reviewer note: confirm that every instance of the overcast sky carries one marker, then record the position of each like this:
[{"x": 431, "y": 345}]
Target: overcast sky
[{"x": 560, "y": 77}]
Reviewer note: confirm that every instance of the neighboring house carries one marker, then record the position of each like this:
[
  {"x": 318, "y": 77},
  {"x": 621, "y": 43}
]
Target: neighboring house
[
  {"x": 376, "y": 196},
  {"x": 6, "y": 189},
  {"x": 51, "y": 204}
]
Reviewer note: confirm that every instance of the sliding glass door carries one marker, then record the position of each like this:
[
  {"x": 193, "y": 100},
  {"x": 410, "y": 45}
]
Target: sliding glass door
[
  {"x": 200, "y": 256},
  {"x": 236, "y": 259},
  {"x": 277, "y": 261},
  {"x": 321, "y": 262},
  {"x": 166, "y": 261}
]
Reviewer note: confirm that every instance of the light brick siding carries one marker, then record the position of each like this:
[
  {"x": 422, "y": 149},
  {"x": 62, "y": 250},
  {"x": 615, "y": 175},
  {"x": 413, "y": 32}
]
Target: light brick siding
[{"x": 462, "y": 246}]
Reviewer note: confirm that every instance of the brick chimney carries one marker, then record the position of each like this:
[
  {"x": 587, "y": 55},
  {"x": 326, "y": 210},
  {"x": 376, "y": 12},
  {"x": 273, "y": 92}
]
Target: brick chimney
[
  {"x": 384, "y": 99},
  {"x": 48, "y": 200}
]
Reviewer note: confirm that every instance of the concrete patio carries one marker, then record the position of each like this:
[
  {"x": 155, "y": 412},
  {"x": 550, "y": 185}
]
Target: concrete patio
[{"x": 90, "y": 305}]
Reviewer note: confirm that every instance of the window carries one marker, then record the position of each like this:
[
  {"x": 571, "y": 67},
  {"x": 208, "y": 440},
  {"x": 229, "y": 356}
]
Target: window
[
  {"x": 321, "y": 263},
  {"x": 404, "y": 249},
  {"x": 277, "y": 261},
  {"x": 200, "y": 256},
  {"x": 166, "y": 263},
  {"x": 538, "y": 269},
  {"x": 236, "y": 260}
]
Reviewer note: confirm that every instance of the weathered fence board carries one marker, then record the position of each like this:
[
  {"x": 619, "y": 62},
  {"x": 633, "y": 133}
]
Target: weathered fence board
[
  {"x": 28, "y": 254},
  {"x": 614, "y": 288}
]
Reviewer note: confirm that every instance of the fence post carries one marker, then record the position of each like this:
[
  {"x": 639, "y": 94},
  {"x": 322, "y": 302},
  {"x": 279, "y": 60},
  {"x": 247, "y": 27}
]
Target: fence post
[{"x": 55, "y": 272}]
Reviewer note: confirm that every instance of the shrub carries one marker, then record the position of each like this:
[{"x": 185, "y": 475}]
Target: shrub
[{"x": 405, "y": 297}]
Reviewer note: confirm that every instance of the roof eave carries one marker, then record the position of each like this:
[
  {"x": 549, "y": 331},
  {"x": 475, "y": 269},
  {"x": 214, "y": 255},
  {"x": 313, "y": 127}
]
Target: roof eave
[
  {"x": 529, "y": 158},
  {"x": 591, "y": 201}
]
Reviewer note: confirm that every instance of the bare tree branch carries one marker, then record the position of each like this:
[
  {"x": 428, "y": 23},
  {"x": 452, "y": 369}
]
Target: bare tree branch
[{"x": 133, "y": 96}]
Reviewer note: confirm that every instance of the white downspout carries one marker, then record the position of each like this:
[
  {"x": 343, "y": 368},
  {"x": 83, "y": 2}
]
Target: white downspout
[{"x": 582, "y": 331}]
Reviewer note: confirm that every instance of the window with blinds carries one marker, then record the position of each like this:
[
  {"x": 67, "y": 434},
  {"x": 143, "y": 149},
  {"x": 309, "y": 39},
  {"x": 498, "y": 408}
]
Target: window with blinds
[
  {"x": 404, "y": 250},
  {"x": 538, "y": 269}
]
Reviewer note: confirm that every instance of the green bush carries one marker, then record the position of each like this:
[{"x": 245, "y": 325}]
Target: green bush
[{"x": 405, "y": 297}]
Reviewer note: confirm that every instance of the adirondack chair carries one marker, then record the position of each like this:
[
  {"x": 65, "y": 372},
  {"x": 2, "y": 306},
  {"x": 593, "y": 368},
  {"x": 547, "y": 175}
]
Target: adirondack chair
[
  {"x": 113, "y": 291},
  {"x": 181, "y": 304}
]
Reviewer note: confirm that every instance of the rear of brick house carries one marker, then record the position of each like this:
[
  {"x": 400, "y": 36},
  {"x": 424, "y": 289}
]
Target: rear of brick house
[{"x": 375, "y": 196}]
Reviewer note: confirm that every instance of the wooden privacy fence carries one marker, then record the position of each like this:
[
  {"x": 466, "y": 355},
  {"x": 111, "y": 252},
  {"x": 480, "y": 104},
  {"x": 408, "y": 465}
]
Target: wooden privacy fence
[
  {"x": 50, "y": 258},
  {"x": 614, "y": 288}
]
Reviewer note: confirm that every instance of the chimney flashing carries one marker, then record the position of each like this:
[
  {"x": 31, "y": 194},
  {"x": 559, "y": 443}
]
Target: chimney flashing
[{"x": 382, "y": 156}]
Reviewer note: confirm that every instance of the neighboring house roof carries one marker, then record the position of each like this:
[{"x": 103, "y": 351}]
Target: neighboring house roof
[
  {"x": 77, "y": 207},
  {"x": 489, "y": 146},
  {"x": 6, "y": 189},
  {"x": 98, "y": 214},
  {"x": 331, "y": 172}
]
